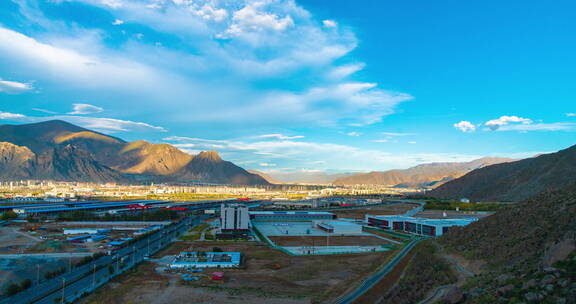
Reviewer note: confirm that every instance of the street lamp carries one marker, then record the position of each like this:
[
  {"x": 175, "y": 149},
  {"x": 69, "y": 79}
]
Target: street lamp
[{"x": 37, "y": 274}]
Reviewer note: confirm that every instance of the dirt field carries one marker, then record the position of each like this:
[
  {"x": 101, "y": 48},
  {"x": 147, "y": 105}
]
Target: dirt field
[
  {"x": 14, "y": 241},
  {"x": 376, "y": 210},
  {"x": 325, "y": 241},
  {"x": 270, "y": 276}
]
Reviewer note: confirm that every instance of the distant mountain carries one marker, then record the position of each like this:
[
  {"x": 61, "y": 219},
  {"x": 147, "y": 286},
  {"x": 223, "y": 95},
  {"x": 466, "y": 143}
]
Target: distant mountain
[
  {"x": 265, "y": 176},
  {"x": 425, "y": 175},
  {"x": 516, "y": 180},
  {"x": 62, "y": 151},
  {"x": 306, "y": 177}
]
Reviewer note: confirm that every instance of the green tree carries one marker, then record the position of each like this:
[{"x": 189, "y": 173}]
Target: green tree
[
  {"x": 8, "y": 215},
  {"x": 25, "y": 284},
  {"x": 12, "y": 289}
]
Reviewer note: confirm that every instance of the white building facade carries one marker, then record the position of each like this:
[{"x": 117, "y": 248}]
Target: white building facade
[{"x": 234, "y": 218}]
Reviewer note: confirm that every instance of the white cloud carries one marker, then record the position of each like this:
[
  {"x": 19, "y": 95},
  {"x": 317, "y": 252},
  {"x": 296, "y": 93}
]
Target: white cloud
[
  {"x": 506, "y": 120},
  {"x": 267, "y": 165},
  {"x": 118, "y": 22},
  {"x": 208, "y": 12},
  {"x": 353, "y": 133},
  {"x": 380, "y": 140},
  {"x": 14, "y": 87},
  {"x": 253, "y": 18},
  {"x": 571, "y": 114},
  {"x": 465, "y": 126},
  {"x": 113, "y": 3},
  {"x": 7, "y": 115},
  {"x": 329, "y": 23},
  {"x": 272, "y": 41},
  {"x": 412, "y": 142},
  {"x": 83, "y": 108}
]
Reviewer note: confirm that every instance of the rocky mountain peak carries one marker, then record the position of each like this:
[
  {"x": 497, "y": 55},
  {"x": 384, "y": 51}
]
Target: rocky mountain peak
[{"x": 209, "y": 155}]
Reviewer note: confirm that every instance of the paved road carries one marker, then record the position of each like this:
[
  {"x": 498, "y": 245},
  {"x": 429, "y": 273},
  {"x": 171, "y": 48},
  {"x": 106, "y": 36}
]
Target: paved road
[
  {"x": 436, "y": 295},
  {"x": 373, "y": 280},
  {"x": 87, "y": 277},
  {"x": 46, "y": 255},
  {"x": 440, "y": 291}
]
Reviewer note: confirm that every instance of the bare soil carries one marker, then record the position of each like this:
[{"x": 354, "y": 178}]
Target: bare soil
[
  {"x": 269, "y": 276},
  {"x": 327, "y": 241}
]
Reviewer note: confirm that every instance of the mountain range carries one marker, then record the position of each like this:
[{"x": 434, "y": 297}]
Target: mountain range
[
  {"x": 58, "y": 150},
  {"x": 514, "y": 181},
  {"x": 425, "y": 175}
]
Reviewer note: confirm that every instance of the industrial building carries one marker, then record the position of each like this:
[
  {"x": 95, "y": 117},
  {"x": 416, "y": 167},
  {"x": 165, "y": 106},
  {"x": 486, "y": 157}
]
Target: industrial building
[
  {"x": 416, "y": 225},
  {"x": 85, "y": 231},
  {"x": 206, "y": 259},
  {"x": 337, "y": 227},
  {"x": 287, "y": 216}
]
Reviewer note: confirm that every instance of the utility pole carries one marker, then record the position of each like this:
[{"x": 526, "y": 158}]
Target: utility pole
[
  {"x": 94, "y": 276},
  {"x": 63, "y": 289}
]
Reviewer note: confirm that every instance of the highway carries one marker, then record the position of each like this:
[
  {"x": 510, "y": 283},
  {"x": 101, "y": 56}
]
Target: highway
[
  {"x": 72, "y": 285},
  {"x": 373, "y": 280}
]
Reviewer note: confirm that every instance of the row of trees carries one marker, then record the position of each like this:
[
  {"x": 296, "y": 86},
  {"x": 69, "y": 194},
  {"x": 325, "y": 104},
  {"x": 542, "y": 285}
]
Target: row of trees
[
  {"x": 156, "y": 215},
  {"x": 14, "y": 288}
]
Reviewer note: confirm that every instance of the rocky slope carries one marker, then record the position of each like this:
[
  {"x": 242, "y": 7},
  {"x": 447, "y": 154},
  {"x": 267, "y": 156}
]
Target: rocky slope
[
  {"x": 61, "y": 151},
  {"x": 516, "y": 180},
  {"x": 528, "y": 250},
  {"x": 426, "y": 175}
]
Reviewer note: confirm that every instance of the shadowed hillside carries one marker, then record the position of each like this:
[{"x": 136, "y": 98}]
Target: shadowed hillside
[{"x": 516, "y": 180}]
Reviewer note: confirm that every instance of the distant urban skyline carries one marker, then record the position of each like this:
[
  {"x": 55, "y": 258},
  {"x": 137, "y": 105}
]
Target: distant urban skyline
[{"x": 299, "y": 85}]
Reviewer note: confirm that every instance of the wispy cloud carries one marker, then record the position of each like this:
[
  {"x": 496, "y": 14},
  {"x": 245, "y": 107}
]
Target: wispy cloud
[
  {"x": 102, "y": 124},
  {"x": 320, "y": 156},
  {"x": 83, "y": 108},
  {"x": 556, "y": 126},
  {"x": 394, "y": 134},
  {"x": 571, "y": 114},
  {"x": 12, "y": 116},
  {"x": 14, "y": 87},
  {"x": 279, "y": 136}
]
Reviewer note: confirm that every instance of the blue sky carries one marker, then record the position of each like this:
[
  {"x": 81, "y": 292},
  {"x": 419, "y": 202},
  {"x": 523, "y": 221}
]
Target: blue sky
[{"x": 299, "y": 85}]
